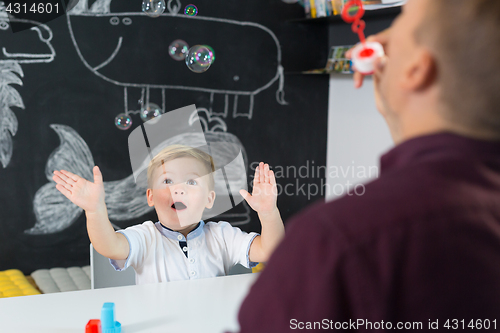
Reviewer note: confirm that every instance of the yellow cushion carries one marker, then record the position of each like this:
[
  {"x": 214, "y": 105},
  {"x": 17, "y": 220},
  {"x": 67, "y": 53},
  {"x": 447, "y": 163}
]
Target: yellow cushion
[
  {"x": 13, "y": 283},
  {"x": 13, "y": 272}
]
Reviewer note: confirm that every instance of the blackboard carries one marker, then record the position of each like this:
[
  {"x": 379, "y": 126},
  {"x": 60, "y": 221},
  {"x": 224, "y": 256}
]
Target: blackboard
[{"x": 63, "y": 84}]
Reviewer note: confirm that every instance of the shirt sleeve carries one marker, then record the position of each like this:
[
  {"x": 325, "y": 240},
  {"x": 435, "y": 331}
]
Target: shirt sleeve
[
  {"x": 238, "y": 244},
  {"x": 139, "y": 240}
]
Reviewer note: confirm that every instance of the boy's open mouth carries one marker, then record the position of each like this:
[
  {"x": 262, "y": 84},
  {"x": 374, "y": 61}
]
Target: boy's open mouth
[{"x": 178, "y": 205}]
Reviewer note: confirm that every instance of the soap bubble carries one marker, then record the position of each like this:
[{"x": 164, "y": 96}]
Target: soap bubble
[
  {"x": 150, "y": 111},
  {"x": 199, "y": 58},
  {"x": 178, "y": 49},
  {"x": 212, "y": 51},
  {"x": 153, "y": 8},
  {"x": 191, "y": 10},
  {"x": 123, "y": 121}
]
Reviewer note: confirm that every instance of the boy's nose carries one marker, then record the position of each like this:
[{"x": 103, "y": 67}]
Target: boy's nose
[{"x": 179, "y": 190}]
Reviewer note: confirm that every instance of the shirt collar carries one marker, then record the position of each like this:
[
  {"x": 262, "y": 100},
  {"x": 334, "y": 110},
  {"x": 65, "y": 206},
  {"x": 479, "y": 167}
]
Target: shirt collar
[
  {"x": 172, "y": 234},
  {"x": 435, "y": 147}
]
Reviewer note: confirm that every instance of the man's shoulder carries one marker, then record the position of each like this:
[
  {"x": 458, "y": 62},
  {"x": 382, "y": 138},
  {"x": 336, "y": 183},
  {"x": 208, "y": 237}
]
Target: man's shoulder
[
  {"x": 379, "y": 205},
  {"x": 368, "y": 198}
]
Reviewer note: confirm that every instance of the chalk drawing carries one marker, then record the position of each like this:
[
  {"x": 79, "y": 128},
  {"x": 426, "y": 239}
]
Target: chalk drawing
[
  {"x": 9, "y": 97},
  {"x": 124, "y": 199},
  {"x": 11, "y": 73},
  {"x": 81, "y": 17}
]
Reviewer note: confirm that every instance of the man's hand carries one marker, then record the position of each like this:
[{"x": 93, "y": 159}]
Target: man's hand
[{"x": 382, "y": 38}]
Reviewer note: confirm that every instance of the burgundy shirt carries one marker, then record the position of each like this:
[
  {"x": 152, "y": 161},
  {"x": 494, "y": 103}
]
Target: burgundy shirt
[{"x": 422, "y": 244}]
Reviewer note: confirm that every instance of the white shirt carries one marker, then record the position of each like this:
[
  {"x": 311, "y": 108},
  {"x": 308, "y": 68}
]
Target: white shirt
[{"x": 213, "y": 248}]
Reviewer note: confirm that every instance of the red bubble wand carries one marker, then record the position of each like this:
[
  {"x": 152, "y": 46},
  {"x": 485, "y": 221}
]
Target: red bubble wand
[
  {"x": 365, "y": 54},
  {"x": 352, "y": 12}
]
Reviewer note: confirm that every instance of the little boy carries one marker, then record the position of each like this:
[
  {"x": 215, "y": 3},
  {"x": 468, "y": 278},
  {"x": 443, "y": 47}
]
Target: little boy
[{"x": 180, "y": 245}]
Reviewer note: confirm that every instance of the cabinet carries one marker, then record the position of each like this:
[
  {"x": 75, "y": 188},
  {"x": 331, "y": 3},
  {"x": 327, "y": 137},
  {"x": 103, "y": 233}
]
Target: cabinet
[{"x": 340, "y": 33}]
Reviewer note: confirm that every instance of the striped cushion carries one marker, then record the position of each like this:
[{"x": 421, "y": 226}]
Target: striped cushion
[{"x": 62, "y": 279}]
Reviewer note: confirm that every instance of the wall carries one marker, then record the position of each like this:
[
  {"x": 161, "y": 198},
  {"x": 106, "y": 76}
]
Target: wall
[
  {"x": 357, "y": 133},
  {"x": 357, "y": 136}
]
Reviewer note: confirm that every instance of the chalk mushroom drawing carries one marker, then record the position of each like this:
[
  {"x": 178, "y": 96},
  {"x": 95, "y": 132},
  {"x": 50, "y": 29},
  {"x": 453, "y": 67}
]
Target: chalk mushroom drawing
[
  {"x": 239, "y": 72},
  {"x": 124, "y": 199},
  {"x": 35, "y": 40}
]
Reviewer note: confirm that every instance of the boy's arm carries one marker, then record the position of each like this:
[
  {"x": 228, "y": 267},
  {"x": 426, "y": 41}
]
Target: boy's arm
[
  {"x": 271, "y": 235},
  {"x": 103, "y": 237},
  {"x": 90, "y": 197},
  {"x": 263, "y": 200}
]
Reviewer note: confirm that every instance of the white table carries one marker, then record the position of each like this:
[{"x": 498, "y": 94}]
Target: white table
[{"x": 197, "y": 306}]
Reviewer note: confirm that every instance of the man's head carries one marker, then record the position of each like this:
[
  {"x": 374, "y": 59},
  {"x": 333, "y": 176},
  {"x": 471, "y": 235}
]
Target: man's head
[
  {"x": 441, "y": 71},
  {"x": 181, "y": 185}
]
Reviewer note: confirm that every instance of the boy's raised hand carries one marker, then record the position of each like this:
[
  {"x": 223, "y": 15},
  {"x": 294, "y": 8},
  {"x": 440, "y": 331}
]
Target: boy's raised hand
[
  {"x": 264, "y": 192},
  {"x": 85, "y": 194}
]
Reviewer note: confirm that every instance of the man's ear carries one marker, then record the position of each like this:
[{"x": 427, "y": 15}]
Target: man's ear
[
  {"x": 211, "y": 199},
  {"x": 421, "y": 72},
  {"x": 149, "y": 195}
]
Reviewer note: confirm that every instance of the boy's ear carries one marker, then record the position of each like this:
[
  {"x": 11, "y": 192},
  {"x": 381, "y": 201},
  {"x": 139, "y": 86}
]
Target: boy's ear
[
  {"x": 149, "y": 195},
  {"x": 211, "y": 199}
]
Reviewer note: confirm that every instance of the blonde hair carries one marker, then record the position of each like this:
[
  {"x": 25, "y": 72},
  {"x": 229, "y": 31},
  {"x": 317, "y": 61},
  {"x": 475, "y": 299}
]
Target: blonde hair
[{"x": 173, "y": 152}]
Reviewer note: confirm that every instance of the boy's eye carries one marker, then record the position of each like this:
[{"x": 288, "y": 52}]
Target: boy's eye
[
  {"x": 191, "y": 182},
  {"x": 168, "y": 181}
]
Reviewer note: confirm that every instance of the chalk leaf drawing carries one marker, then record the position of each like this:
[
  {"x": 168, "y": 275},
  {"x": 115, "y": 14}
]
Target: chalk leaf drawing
[{"x": 10, "y": 73}]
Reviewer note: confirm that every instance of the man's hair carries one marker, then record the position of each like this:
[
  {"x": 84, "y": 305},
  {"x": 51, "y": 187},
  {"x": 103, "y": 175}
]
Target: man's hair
[
  {"x": 173, "y": 152},
  {"x": 464, "y": 36}
]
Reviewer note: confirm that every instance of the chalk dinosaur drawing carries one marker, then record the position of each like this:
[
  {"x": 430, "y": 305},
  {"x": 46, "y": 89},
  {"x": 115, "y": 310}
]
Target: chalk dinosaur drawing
[
  {"x": 125, "y": 199},
  {"x": 131, "y": 61},
  {"x": 11, "y": 73}
]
